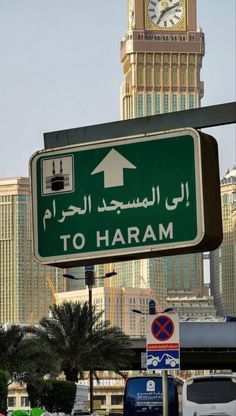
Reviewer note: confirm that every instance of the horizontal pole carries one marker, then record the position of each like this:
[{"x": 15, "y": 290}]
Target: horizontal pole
[
  {"x": 71, "y": 277},
  {"x": 198, "y": 118}
]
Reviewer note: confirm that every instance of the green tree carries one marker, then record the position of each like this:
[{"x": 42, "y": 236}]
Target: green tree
[
  {"x": 25, "y": 357},
  {"x": 10, "y": 338},
  {"x": 82, "y": 341},
  {"x": 55, "y": 396},
  {"x": 61, "y": 396},
  {"x": 3, "y": 392}
]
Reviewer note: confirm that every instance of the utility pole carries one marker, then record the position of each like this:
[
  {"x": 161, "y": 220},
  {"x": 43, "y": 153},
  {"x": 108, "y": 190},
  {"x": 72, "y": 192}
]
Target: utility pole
[
  {"x": 89, "y": 281},
  {"x": 152, "y": 311},
  {"x": 165, "y": 392}
]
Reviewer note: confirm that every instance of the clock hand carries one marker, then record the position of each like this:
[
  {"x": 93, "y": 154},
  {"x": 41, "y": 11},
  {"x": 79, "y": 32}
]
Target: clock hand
[
  {"x": 166, "y": 10},
  {"x": 172, "y": 7},
  {"x": 161, "y": 14}
]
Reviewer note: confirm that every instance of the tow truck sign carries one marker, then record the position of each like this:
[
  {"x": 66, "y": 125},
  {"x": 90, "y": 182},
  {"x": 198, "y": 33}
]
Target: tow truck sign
[{"x": 163, "y": 349}]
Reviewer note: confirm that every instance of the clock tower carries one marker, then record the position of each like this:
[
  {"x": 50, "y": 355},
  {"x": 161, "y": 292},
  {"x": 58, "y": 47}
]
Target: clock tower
[{"x": 161, "y": 55}]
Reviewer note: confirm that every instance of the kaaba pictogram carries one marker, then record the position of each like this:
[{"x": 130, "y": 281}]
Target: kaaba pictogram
[{"x": 57, "y": 181}]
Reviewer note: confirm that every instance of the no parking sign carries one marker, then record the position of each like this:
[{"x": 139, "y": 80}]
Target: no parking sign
[{"x": 163, "y": 349}]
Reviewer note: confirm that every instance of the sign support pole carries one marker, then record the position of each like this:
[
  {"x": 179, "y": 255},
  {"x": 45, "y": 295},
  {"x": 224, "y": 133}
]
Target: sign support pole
[
  {"x": 165, "y": 392},
  {"x": 90, "y": 371},
  {"x": 89, "y": 281}
]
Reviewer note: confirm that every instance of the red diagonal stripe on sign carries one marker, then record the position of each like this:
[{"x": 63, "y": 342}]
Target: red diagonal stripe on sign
[{"x": 162, "y": 328}]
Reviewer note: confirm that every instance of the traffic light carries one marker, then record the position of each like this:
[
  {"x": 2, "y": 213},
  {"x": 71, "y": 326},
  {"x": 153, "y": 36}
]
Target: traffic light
[
  {"x": 152, "y": 307},
  {"x": 89, "y": 277}
]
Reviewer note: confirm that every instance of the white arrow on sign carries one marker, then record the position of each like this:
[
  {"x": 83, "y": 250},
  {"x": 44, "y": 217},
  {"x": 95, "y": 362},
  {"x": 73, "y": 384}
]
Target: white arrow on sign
[{"x": 113, "y": 165}]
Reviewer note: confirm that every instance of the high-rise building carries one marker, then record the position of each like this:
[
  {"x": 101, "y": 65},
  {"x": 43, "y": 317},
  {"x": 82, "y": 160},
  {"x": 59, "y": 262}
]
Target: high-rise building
[
  {"x": 162, "y": 54},
  {"x": 26, "y": 287},
  {"x": 223, "y": 260},
  {"x": 146, "y": 274},
  {"x": 119, "y": 305}
]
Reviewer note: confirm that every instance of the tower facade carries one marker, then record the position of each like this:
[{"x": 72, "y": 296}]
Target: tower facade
[
  {"x": 161, "y": 55},
  {"x": 223, "y": 260},
  {"x": 25, "y": 295}
]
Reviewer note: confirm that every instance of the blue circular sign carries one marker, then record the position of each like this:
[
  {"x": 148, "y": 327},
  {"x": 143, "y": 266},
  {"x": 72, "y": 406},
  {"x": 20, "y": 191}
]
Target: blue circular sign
[{"x": 162, "y": 328}]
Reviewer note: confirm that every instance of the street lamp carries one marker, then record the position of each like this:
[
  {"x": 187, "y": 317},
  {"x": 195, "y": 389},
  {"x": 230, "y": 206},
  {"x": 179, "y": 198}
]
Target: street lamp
[
  {"x": 153, "y": 313},
  {"x": 90, "y": 281}
]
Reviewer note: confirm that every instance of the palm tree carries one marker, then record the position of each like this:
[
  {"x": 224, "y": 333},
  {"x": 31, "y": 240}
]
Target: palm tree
[
  {"x": 82, "y": 341},
  {"x": 23, "y": 357},
  {"x": 10, "y": 348}
]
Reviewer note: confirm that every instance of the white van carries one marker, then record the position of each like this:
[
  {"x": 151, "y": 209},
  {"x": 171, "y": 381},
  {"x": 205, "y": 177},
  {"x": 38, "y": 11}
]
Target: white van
[{"x": 213, "y": 395}]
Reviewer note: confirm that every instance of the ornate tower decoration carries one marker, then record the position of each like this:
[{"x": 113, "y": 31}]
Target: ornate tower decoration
[{"x": 161, "y": 55}]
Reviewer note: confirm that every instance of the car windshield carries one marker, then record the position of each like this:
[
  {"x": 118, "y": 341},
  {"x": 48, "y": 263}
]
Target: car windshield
[{"x": 212, "y": 390}]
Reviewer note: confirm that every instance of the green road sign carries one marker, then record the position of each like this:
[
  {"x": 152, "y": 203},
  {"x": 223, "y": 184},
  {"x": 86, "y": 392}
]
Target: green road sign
[{"x": 126, "y": 198}]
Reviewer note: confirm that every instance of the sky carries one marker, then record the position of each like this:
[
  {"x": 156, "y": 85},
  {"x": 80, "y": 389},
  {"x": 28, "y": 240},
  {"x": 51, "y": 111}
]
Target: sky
[{"x": 60, "y": 68}]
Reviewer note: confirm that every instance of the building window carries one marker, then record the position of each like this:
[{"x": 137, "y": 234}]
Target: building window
[
  {"x": 166, "y": 58},
  {"x": 25, "y": 401},
  {"x": 157, "y": 76},
  {"x": 140, "y": 75},
  {"x": 166, "y": 103},
  {"x": 140, "y": 105},
  {"x": 174, "y": 102},
  {"x": 166, "y": 80},
  {"x": 11, "y": 401},
  {"x": 183, "y": 76},
  {"x": 158, "y": 58},
  {"x": 192, "y": 58},
  {"x": 116, "y": 399},
  {"x": 182, "y": 102},
  {"x": 149, "y": 58},
  {"x": 128, "y": 107},
  {"x": 149, "y": 105},
  {"x": 174, "y": 76},
  {"x": 148, "y": 75},
  {"x": 157, "y": 104},
  {"x": 191, "y": 101},
  {"x": 175, "y": 59},
  {"x": 101, "y": 398},
  {"x": 140, "y": 57},
  {"x": 225, "y": 199},
  {"x": 22, "y": 198},
  {"x": 191, "y": 76}
]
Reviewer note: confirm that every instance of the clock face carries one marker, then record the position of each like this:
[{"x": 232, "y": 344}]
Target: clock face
[{"x": 165, "y": 14}]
